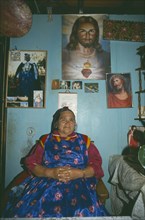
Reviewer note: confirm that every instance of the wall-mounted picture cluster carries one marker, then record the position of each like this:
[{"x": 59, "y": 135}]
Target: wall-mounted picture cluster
[
  {"x": 74, "y": 85},
  {"x": 118, "y": 89},
  {"x": 26, "y": 79},
  {"x": 85, "y": 56}
]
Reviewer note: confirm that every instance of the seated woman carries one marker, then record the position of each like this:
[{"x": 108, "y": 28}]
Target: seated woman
[{"x": 64, "y": 173}]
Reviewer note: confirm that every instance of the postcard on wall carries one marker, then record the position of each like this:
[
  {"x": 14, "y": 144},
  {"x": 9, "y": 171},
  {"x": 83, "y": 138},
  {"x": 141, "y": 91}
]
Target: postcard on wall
[
  {"x": 26, "y": 73},
  {"x": 77, "y": 85},
  {"x": 68, "y": 99},
  {"x": 119, "y": 92},
  {"x": 83, "y": 58},
  {"x": 91, "y": 87},
  {"x": 64, "y": 84},
  {"x": 38, "y": 98}
]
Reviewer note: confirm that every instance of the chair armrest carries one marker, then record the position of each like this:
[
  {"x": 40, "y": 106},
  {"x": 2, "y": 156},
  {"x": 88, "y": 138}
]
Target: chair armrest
[
  {"x": 15, "y": 181},
  {"x": 102, "y": 191}
]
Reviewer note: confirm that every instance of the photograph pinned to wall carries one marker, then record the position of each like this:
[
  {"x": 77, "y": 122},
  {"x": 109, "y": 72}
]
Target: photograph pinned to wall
[
  {"x": 55, "y": 84},
  {"x": 68, "y": 99},
  {"x": 64, "y": 84},
  {"x": 38, "y": 98},
  {"x": 83, "y": 59},
  {"x": 77, "y": 85},
  {"x": 119, "y": 90},
  {"x": 91, "y": 87},
  {"x": 26, "y": 73}
]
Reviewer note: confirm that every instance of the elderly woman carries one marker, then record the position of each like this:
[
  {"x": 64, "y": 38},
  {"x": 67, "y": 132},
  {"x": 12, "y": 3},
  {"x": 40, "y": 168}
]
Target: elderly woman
[{"x": 65, "y": 167}]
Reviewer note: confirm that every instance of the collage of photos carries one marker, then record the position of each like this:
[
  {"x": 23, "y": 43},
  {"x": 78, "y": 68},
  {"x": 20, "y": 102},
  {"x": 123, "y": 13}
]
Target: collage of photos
[{"x": 74, "y": 85}]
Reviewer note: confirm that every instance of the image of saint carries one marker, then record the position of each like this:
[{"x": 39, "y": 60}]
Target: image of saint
[
  {"x": 119, "y": 94},
  {"x": 84, "y": 54}
]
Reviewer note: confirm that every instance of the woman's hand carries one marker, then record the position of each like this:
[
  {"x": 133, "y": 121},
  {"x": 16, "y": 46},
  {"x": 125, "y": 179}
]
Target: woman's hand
[
  {"x": 63, "y": 174},
  {"x": 66, "y": 174}
]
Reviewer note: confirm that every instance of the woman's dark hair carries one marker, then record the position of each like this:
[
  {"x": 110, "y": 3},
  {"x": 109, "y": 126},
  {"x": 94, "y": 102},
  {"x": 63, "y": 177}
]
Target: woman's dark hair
[
  {"x": 74, "y": 38},
  {"x": 56, "y": 117}
]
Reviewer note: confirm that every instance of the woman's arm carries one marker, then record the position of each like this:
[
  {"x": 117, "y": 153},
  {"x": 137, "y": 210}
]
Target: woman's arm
[
  {"x": 32, "y": 162},
  {"x": 95, "y": 161},
  {"x": 33, "y": 158}
]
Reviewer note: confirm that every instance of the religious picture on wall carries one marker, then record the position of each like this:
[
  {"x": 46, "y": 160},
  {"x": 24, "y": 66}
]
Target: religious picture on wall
[
  {"x": 26, "y": 74},
  {"x": 85, "y": 55},
  {"x": 38, "y": 98},
  {"x": 64, "y": 84},
  {"x": 91, "y": 87},
  {"x": 77, "y": 85},
  {"x": 119, "y": 92}
]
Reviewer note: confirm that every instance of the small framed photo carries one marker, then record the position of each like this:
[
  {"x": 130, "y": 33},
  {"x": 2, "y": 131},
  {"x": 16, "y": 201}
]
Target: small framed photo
[
  {"x": 38, "y": 98},
  {"x": 91, "y": 87},
  {"x": 77, "y": 85},
  {"x": 119, "y": 92},
  {"x": 26, "y": 74}
]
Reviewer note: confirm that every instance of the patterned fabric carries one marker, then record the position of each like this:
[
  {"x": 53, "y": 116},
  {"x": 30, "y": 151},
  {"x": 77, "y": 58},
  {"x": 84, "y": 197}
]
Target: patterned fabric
[
  {"x": 47, "y": 197},
  {"x": 123, "y": 30}
]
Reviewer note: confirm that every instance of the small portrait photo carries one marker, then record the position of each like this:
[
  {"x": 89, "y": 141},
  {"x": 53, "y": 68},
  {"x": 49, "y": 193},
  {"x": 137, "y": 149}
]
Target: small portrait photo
[
  {"x": 77, "y": 85},
  {"x": 55, "y": 84},
  {"x": 91, "y": 87},
  {"x": 38, "y": 99},
  {"x": 85, "y": 54},
  {"x": 119, "y": 92},
  {"x": 64, "y": 84}
]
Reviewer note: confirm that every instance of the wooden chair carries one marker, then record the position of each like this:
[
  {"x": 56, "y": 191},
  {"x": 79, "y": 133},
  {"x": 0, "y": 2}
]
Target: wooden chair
[{"x": 102, "y": 191}]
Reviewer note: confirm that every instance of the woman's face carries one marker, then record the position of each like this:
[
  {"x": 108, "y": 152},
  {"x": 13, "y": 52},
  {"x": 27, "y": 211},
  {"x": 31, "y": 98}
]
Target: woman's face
[{"x": 66, "y": 123}]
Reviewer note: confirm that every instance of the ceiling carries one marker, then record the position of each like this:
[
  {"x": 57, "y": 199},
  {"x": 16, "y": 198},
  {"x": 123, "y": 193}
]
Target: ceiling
[{"x": 87, "y": 6}]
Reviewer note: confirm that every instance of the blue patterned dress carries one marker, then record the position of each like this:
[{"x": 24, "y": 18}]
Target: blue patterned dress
[{"x": 47, "y": 197}]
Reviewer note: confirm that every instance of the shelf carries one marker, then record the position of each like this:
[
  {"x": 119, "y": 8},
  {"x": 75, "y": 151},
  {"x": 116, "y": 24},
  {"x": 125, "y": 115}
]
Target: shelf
[
  {"x": 140, "y": 91},
  {"x": 140, "y": 69},
  {"x": 139, "y": 119}
]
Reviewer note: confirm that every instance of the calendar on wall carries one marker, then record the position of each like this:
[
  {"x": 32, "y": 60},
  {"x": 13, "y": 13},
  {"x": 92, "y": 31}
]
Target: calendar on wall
[{"x": 69, "y": 100}]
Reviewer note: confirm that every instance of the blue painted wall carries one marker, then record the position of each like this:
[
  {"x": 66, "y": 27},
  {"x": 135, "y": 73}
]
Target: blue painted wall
[{"x": 107, "y": 127}]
